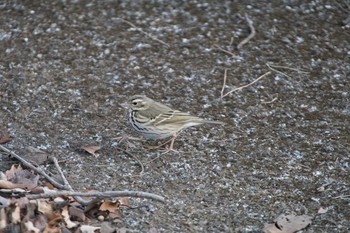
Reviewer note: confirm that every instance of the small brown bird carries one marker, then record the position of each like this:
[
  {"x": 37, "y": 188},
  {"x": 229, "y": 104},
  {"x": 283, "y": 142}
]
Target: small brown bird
[{"x": 155, "y": 120}]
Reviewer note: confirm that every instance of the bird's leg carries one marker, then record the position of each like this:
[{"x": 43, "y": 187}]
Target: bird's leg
[
  {"x": 158, "y": 146},
  {"x": 171, "y": 147}
]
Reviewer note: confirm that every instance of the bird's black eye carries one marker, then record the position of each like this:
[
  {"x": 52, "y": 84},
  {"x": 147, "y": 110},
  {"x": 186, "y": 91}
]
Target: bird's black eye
[{"x": 134, "y": 103}]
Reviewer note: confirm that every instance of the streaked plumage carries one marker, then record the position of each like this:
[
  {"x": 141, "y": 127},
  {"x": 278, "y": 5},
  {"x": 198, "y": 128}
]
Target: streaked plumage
[{"x": 155, "y": 120}]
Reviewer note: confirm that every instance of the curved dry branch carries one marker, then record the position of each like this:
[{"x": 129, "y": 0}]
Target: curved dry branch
[{"x": 107, "y": 194}]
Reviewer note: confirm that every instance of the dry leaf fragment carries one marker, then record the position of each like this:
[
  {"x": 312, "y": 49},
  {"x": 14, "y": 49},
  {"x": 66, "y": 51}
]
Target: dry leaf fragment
[
  {"x": 124, "y": 201},
  {"x": 76, "y": 214},
  {"x": 112, "y": 208},
  {"x": 40, "y": 222},
  {"x": 3, "y": 218},
  {"x": 288, "y": 224},
  {"x": 30, "y": 227},
  {"x": 16, "y": 215},
  {"x": 22, "y": 178},
  {"x": 66, "y": 218},
  {"x": 92, "y": 150},
  {"x": 16, "y": 177},
  {"x": 322, "y": 210},
  {"x": 44, "y": 207},
  {"x": 54, "y": 218},
  {"x": 4, "y": 137},
  {"x": 52, "y": 229},
  {"x": 22, "y": 202},
  {"x": 89, "y": 229}
]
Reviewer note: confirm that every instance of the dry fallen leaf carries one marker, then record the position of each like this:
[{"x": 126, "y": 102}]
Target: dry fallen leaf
[
  {"x": 113, "y": 209},
  {"x": 30, "y": 227},
  {"x": 3, "y": 218},
  {"x": 19, "y": 178},
  {"x": 44, "y": 207},
  {"x": 16, "y": 215},
  {"x": 92, "y": 150},
  {"x": 40, "y": 222},
  {"x": 110, "y": 206},
  {"x": 66, "y": 218},
  {"x": 54, "y": 218},
  {"x": 4, "y": 137},
  {"x": 288, "y": 224}
]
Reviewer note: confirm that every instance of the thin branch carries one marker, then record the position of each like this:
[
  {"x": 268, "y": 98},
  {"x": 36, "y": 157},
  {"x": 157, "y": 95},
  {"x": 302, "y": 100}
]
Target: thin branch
[
  {"x": 68, "y": 186},
  {"x": 242, "y": 87},
  {"x": 342, "y": 197},
  {"x": 34, "y": 168},
  {"x": 223, "y": 85},
  {"x": 280, "y": 72},
  {"x": 146, "y": 33},
  {"x": 287, "y": 68},
  {"x": 107, "y": 194},
  {"x": 71, "y": 192},
  {"x": 270, "y": 101},
  {"x": 225, "y": 51},
  {"x": 251, "y": 35}
]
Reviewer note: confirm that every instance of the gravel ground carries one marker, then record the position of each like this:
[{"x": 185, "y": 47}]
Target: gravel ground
[{"x": 66, "y": 66}]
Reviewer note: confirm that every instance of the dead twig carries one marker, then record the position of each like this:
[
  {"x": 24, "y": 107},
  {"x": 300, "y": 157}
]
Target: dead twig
[
  {"x": 68, "y": 186},
  {"x": 342, "y": 197},
  {"x": 288, "y": 68},
  {"x": 224, "y": 84},
  {"x": 241, "y": 87},
  {"x": 272, "y": 67},
  {"x": 71, "y": 192},
  {"x": 146, "y": 33},
  {"x": 270, "y": 101},
  {"x": 100, "y": 195},
  {"x": 34, "y": 168},
  {"x": 251, "y": 35},
  {"x": 225, "y": 51}
]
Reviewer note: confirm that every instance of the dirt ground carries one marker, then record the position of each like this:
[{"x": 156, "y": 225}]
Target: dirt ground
[{"x": 66, "y": 66}]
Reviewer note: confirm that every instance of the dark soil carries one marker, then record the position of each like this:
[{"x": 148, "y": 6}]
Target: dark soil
[{"x": 65, "y": 66}]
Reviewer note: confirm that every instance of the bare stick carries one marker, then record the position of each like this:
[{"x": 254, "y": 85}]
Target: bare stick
[
  {"x": 287, "y": 68},
  {"x": 142, "y": 31},
  {"x": 135, "y": 158},
  {"x": 251, "y": 35},
  {"x": 241, "y": 87},
  {"x": 224, "y": 50},
  {"x": 71, "y": 192},
  {"x": 280, "y": 72},
  {"x": 107, "y": 194},
  {"x": 67, "y": 185},
  {"x": 34, "y": 168},
  {"x": 342, "y": 197},
  {"x": 271, "y": 101},
  {"x": 224, "y": 84}
]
